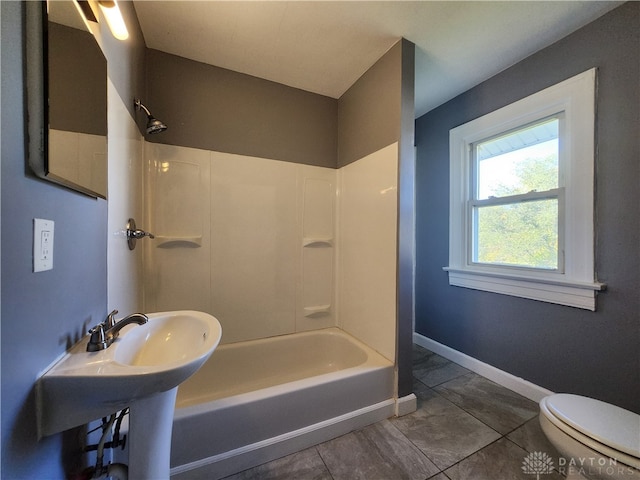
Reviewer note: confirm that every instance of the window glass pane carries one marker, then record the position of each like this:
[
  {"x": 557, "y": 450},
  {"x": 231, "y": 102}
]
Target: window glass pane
[
  {"x": 522, "y": 234},
  {"x": 519, "y": 162}
]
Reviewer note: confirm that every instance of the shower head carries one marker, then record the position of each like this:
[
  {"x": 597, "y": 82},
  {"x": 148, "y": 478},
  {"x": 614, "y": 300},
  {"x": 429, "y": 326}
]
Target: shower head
[{"x": 153, "y": 124}]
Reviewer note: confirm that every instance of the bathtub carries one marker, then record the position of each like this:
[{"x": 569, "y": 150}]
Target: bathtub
[{"x": 255, "y": 401}]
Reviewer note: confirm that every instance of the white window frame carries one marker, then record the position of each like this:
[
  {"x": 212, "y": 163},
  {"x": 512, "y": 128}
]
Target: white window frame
[{"x": 574, "y": 284}]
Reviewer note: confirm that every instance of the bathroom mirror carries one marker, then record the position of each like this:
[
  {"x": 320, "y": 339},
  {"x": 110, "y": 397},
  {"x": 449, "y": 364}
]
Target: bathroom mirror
[{"x": 66, "y": 99}]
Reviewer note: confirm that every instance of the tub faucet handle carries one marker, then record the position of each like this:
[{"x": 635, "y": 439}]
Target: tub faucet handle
[{"x": 134, "y": 234}]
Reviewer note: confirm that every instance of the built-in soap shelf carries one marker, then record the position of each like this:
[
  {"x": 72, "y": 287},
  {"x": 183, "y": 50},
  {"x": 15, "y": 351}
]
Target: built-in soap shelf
[
  {"x": 317, "y": 242},
  {"x": 189, "y": 241},
  {"x": 317, "y": 311}
]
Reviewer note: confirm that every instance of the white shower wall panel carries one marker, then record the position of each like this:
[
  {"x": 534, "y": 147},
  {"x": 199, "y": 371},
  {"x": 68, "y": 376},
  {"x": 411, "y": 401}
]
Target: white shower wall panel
[
  {"x": 255, "y": 242},
  {"x": 254, "y": 249},
  {"x": 367, "y": 261},
  {"x": 177, "y": 260},
  {"x": 317, "y": 188},
  {"x": 125, "y": 160},
  {"x": 229, "y": 240}
]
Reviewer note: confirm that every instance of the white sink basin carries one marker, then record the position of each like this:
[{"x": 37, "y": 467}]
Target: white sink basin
[{"x": 142, "y": 361}]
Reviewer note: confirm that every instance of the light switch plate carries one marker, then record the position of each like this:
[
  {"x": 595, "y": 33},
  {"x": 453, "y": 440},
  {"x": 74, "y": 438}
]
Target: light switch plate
[{"x": 42, "y": 244}]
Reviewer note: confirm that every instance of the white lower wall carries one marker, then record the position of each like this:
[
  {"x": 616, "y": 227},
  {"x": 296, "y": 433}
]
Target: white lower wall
[
  {"x": 125, "y": 194},
  {"x": 367, "y": 249}
]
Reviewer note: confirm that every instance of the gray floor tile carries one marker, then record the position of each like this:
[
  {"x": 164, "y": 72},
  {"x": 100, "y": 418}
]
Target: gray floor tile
[
  {"x": 419, "y": 353},
  {"x": 303, "y": 465},
  {"x": 500, "y": 408},
  {"x": 377, "y": 452},
  {"x": 440, "y": 476},
  {"x": 501, "y": 460},
  {"x": 531, "y": 437},
  {"x": 433, "y": 370},
  {"x": 444, "y": 432}
]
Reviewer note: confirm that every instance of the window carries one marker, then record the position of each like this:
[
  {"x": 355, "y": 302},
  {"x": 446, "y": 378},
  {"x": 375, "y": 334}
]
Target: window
[
  {"x": 521, "y": 197},
  {"x": 515, "y": 198}
]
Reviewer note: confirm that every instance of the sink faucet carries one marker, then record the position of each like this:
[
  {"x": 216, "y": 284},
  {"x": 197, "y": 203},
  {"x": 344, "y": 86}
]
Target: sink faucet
[{"x": 103, "y": 334}]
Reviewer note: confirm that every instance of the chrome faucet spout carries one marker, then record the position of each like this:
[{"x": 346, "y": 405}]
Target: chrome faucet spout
[
  {"x": 103, "y": 334},
  {"x": 137, "y": 318}
]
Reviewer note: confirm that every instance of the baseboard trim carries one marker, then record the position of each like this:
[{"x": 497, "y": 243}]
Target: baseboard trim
[
  {"x": 234, "y": 461},
  {"x": 406, "y": 405},
  {"x": 517, "y": 384}
]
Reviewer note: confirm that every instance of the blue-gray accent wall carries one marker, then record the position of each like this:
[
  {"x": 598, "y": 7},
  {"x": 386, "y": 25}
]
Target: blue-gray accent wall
[
  {"x": 42, "y": 313},
  {"x": 560, "y": 348}
]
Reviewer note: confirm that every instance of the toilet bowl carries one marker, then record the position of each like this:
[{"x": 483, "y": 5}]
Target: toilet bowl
[{"x": 597, "y": 440}]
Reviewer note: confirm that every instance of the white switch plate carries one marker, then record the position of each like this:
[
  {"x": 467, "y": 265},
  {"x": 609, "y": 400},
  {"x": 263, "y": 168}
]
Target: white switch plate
[{"x": 42, "y": 245}]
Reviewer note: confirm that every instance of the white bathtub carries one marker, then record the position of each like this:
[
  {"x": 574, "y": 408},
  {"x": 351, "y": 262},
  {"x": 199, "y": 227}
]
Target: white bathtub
[{"x": 255, "y": 401}]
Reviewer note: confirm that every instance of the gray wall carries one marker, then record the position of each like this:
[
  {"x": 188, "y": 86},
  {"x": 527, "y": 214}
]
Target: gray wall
[
  {"x": 406, "y": 222},
  {"x": 42, "y": 313},
  {"x": 217, "y": 109},
  {"x": 213, "y": 108},
  {"x": 369, "y": 113},
  {"x": 126, "y": 60},
  {"x": 77, "y": 81},
  {"x": 561, "y": 348}
]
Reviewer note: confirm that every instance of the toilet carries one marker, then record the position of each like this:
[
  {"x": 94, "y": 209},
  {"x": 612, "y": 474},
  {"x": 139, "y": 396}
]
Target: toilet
[{"x": 597, "y": 440}]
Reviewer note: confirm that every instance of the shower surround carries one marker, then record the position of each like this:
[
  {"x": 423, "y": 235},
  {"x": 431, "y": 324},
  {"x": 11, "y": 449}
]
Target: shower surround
[
  {"x": 275, "y": 251},
  {"x": 271, "y": 247}
]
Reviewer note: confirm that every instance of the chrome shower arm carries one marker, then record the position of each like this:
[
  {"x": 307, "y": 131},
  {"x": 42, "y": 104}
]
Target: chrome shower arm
[{"x": 140, "y": 106}]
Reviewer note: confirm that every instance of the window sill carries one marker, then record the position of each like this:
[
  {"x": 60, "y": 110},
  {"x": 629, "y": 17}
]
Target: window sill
[{"x": 559, "y": 291}]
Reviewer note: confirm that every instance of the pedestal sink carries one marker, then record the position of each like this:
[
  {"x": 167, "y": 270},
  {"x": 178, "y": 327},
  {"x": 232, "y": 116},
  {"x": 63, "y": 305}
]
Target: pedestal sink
[{"x": 141, "y": 370}]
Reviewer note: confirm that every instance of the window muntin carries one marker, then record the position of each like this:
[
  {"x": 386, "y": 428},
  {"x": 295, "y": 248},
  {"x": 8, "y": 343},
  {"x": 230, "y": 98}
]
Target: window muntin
[{"x": 514, "y": 207}]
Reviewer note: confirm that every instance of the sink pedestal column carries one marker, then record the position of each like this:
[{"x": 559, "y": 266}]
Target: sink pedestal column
[{"x": 150, "y": 425}]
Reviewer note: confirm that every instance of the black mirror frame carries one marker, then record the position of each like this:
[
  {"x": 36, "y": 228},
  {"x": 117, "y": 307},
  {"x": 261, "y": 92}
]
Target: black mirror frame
[{"x": 37, "y": 127}]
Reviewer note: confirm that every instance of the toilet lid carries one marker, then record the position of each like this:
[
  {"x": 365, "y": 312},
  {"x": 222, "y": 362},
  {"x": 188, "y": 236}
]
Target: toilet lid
[{"x": 608, "y": 424}]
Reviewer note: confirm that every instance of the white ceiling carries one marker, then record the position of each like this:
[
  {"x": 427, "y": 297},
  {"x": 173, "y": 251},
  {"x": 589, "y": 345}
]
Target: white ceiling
[{"x": 324, "y": 47}]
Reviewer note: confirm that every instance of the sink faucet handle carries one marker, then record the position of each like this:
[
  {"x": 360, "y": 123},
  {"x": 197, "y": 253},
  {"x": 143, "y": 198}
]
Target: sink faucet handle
[
  {"x": 111, "y": 320},
  {"x": 97, "y": 341}
]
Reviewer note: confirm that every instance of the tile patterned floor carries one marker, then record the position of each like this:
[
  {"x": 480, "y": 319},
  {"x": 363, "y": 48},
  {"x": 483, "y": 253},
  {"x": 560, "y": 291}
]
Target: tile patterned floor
[{"x": 465, "y": 428}]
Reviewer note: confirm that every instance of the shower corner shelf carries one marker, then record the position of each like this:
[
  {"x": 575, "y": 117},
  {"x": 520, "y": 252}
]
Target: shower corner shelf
[
  {"x": 168, "y": 241},
  {"x": 317, "y": 242},
  {"x": 317, "y": 311}
]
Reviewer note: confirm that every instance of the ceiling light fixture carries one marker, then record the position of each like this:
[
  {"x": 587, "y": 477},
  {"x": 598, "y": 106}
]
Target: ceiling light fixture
[
  {"x": 85, "y": 11},
  {"x": 114, "y": 18}
]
